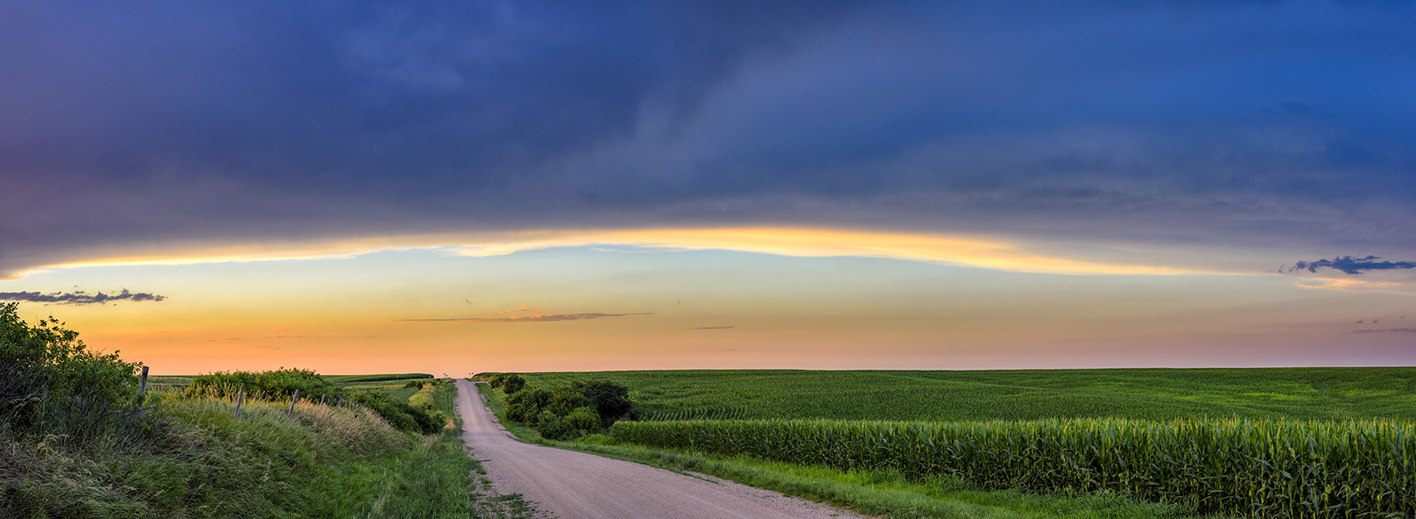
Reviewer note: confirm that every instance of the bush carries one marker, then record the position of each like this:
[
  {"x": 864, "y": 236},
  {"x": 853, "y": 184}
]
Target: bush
[
  {"x": 274, "y": 386},
  {"x": 584, "y": 419},
  {"x": 513, "y": 384},
  {"x": 280, "y": 385},
  {"x": 524, "y": 406},
  {"x": 553, "y": 427},
  {"x": 567, "y": 399},
  {"x": 399, "y": 414},
  {"x": 51, "y": 383},
  {"x": 568, "y": 412},
  {"x": 611, "y": 400}
]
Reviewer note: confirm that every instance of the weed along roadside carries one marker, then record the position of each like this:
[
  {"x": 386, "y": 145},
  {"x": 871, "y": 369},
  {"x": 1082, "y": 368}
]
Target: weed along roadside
[{"x": 83, "y": 436}]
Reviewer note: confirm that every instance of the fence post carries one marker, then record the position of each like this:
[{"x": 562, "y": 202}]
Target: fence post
[
  {"x": 322, "y": 400},
  {"x": 240, "y": 397},
  {"x": 143, "y": 384},
  {"x": 340, "y": 404},
  {"x": 292, "y": 404}
]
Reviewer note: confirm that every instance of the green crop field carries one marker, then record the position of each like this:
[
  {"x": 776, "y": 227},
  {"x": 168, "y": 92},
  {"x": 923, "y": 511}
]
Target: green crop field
[
  {"x": 1274, "y": 442},
  {"x": 1144, "y": 394},
  {"x": 1279, "y": 468}
]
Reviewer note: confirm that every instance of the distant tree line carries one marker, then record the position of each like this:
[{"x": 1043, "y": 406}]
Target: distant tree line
[{"x": 566, "y": 413}]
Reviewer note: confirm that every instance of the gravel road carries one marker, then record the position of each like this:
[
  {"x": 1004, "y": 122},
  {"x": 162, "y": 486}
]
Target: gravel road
[{"x": 574, "y": 485}]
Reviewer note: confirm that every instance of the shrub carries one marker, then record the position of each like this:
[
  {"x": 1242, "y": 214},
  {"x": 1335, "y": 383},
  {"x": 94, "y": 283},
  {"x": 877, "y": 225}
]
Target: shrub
[
  {"x": 611, "y": 400},
  {"x": 274, "y": 386},
  {"x": 51, "y": 383},
  {"x": 583, "y": 419},
  {"x": 553, "y": 427},
  {"x": 525, "y": 405},
  {"x": 513, "y": 384},
  {"x": 567, "y": 399},
  {"x": 568, "y": 412},
  {"x": 281, "y": 384}
]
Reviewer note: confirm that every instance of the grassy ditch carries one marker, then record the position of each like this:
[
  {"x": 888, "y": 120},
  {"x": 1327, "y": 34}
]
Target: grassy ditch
[
  {"x": 78, "y": 441},
  {"x": 204, "y": 462},
  {"x": 881, "y": 492}
]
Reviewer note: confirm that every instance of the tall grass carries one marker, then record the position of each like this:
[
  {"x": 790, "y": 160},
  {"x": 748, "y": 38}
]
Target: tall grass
[
  {"x": 1260, "y": 468},
  {"x": 322, "y": 462}
]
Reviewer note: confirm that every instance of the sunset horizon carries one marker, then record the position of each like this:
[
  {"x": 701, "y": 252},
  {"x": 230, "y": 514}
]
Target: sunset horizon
[{"x": 541, "y": 187}]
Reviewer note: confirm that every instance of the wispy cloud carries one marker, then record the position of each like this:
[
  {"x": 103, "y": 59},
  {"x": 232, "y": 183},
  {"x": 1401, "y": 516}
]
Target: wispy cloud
[
  {"x": 1394, "y": 330},
  {"x": 517, "y": 310},
  {"x": 1351, "y": 265},
  {"x": 79, "y": 297},
  {"x": 288, "y": 337},
  {"x": 713, "y": 327},
  {"x": 536, "y": 318}
]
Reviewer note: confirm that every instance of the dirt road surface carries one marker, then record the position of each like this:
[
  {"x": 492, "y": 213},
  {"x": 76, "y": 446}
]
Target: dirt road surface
[{"x": 575, "y": 485}]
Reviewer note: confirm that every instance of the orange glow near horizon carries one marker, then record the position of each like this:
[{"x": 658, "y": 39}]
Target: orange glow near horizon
[
  {"x": 802, "y": 242},
  {"x": 806, "y": 242},
  {"x": 700, "y": 298}
]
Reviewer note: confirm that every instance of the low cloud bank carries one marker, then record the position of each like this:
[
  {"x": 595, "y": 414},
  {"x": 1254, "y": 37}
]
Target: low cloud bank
[
  {"x": 79, "y": 297},
  {"x": 1352, "y": 265}
]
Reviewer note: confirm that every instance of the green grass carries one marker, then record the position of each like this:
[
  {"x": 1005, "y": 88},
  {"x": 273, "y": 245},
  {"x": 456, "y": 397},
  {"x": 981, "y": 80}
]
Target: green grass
[
  {"x": 204, "y": 462},
  {"x": 883, "y": 493},
  {"x": 1146, "y": 394}
]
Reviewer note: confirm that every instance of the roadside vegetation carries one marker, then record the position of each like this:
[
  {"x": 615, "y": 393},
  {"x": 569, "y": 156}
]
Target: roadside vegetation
[
  {"x": 77, "y": 440},
  {"x": 282, "y": 385},
  {"x": 570, "y": 411},
  {"x": 1313, "y": 442}
]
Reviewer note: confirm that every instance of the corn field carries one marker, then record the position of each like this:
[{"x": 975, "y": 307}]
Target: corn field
[
  {"x": 725, "y": 413},
  {"x": 1299, "y": 469}
]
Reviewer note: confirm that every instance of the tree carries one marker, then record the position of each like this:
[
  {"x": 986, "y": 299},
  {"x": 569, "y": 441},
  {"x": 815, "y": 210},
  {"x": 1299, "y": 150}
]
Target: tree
[
  {"x": 513, "y": 384},
  {"x": 611, "y": 400}
]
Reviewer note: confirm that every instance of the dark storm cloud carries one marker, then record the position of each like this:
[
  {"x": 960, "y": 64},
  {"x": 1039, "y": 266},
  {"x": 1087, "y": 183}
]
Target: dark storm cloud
[
  {"x": 537, "y": 318},
  {"x": 1267, "y": 124},
  {"x": 79, "y": 297},
  {"x": 1351, "y": 265}
]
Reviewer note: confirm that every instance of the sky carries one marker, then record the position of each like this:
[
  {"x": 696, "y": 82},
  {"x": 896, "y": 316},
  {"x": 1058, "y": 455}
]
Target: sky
[{"x": 458, "y": 187}]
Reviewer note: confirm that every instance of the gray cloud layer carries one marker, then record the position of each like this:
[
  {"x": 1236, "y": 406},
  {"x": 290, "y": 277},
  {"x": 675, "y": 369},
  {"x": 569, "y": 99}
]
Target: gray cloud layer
[
  {"x": 79, "y": 297},
  {"x": 1268, "y": 124},
  {"x": 1350, "y": 265}
]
